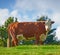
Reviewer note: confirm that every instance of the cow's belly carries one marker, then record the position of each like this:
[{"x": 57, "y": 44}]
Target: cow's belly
[{"x": 27, "y": 34}]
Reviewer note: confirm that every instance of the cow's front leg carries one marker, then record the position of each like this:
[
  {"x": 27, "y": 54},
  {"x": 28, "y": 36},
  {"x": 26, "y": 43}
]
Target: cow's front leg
[
  {"x": 41, "y": 42},
  {"x": 37, "y": 39}
]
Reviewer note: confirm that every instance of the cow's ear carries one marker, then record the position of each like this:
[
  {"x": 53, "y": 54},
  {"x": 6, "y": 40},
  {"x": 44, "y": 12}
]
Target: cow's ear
[{"x": 52, "y": 22}]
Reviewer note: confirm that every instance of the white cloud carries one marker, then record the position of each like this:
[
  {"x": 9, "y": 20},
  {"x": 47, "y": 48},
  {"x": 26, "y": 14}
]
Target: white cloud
[
  {"x": 4, "y": 14},
  {"x": 56, "y": 18},
  {"x": 14, "y": 13},
  {"x": 23, "y": 4},
  {"x": 25, "y": 18},
  {"x": 37, "y": 4},
  {"x": 41, "y": 7},
  {"x": 58, "y": 33}
]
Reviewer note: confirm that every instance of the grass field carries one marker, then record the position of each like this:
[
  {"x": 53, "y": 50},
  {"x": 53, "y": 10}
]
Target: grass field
[{"x": 31, "y": 50}]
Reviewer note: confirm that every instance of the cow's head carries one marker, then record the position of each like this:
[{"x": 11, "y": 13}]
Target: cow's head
[{"x": 48, "y": 24}]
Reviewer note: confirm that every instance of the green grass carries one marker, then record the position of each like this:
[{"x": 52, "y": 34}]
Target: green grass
[{"x": 31, "y": 50}]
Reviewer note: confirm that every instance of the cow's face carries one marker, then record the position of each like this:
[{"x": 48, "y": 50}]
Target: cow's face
[{"x": 48, "y": 24}]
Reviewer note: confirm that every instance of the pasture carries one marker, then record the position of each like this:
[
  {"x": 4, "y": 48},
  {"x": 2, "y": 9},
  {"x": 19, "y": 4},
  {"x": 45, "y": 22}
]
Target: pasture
[{"x": 31, "y": 50}]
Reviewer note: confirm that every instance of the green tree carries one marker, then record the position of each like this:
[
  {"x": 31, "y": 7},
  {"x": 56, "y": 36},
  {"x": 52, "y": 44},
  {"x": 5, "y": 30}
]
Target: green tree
[
  {"x": 3, "y": 36},
  {"x": 8, "y": 21},
  {"x": 50, "y": 37},
  {"x": 3, "y": 30},
  {"x": 42, "y": 18},
  {"x": 16, "y": 20}
]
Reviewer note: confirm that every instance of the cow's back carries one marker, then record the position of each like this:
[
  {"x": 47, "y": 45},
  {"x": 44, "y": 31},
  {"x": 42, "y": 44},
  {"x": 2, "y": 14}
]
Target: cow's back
[{"x": 27, "y": 28}]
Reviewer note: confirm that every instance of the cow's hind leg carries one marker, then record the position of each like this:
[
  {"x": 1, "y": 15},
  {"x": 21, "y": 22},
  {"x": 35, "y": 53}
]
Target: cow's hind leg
[
  {"x": 12, "y": 42},
  {"x": 14, "y": 39}
]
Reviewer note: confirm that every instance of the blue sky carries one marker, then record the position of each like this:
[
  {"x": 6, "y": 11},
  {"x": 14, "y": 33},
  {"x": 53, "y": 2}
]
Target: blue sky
[
  {"x": 6, "y": 4},
  {"x": 30, "y": 10}
]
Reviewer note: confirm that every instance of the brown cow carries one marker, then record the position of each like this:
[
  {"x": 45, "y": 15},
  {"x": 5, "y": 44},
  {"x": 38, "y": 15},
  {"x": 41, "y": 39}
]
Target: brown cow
[{"x": 28, "y": 29}]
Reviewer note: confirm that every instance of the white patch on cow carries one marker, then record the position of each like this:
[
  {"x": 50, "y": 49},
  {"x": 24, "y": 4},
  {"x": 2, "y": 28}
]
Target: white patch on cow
[
  {"x": 46, "y": 27},
  {"x": 20, "y": 35}
]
